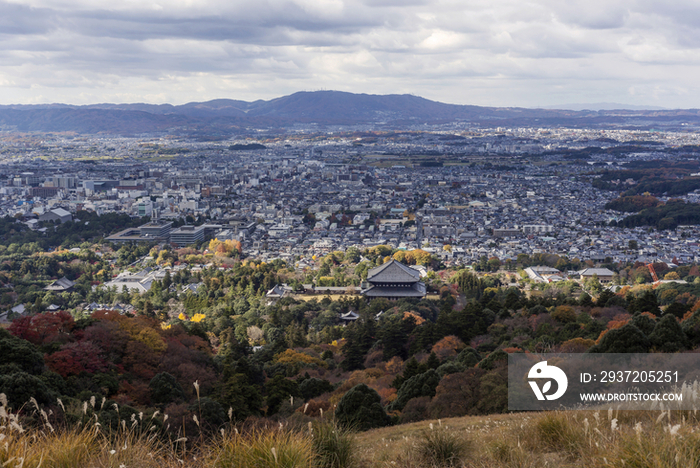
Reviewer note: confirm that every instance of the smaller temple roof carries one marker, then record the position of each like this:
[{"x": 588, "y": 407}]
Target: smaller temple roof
[{"x": 62, "y": 284}]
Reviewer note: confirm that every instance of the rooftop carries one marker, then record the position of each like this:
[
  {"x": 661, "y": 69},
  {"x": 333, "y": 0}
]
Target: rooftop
[{"x": 393, "y": 272}]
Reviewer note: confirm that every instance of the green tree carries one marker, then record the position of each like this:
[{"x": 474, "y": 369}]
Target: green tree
[
  {"x": 352, "y": 255},
  {"x": 279, "y": 389},
  {"x": 492, "y": 360},
  {"x": 645, "y": 323},
  {"x": 313, "y": 387},
  {"x": 626, "y": 339},
  {"x": 212, "y": 414},
  {"x": 585, "y": 300},
  {"x": 393, "y": 337},
  {"x": 236, "y": 392},
  {"x": 469, "y": 357},
  {"x": 668, "y": 335},
  {"x": 361, "y": 409},
  {"x": 433, "y": 361},
  {"x": 691, "y": 327},
  {"x": 165, "y": 389},
  {"x": 19, "y": 355},
  {"x": 647, "y": 302},
  {"x": 417, "y": 386},
  {"x": 19, "y": 387}
]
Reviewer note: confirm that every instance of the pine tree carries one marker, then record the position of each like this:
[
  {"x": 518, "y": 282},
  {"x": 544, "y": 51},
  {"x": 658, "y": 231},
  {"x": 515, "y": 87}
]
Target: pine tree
[
  {"x": 353, "y": 353},
  {"x": 433, "y": 361},
  {"x": 393, "y": 338}
]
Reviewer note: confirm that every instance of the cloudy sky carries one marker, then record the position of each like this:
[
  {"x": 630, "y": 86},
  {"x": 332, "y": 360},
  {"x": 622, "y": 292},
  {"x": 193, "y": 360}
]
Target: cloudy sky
[{"x": 525, "y": 53}]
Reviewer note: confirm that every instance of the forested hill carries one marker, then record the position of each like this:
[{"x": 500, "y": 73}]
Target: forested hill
[{"x": 319, "y": 107}]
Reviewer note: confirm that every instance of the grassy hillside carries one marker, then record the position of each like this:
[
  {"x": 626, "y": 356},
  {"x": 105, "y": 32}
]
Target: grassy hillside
[{"x": 607, "y": 438}]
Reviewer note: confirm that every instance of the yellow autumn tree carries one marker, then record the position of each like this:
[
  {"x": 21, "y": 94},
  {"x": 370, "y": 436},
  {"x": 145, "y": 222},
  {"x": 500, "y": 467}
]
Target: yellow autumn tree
[
  {"x": 152, "y": 339},
  {"x": 400, "y": 256},
  {"x": 227, "y": 248},
  {"x": 293, "y": 357}
]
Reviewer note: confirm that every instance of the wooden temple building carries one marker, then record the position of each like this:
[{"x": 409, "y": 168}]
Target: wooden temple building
[{"x": 393, "y": 281}]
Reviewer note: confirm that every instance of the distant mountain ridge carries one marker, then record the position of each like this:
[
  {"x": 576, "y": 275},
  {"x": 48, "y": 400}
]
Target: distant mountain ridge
[{"x": 223, "y": 116}]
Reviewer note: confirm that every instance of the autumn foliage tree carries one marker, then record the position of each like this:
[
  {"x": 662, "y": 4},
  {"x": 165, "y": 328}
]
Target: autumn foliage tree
[
  {"x": 227, "y": 248},
  {"x": 448, "y": 347},
  {"x": 44, "y": 329},
  {"x": 75, "y": 358}
]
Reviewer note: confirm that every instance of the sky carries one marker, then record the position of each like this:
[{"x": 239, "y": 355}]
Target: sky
[{"x": 480, "y": 52}]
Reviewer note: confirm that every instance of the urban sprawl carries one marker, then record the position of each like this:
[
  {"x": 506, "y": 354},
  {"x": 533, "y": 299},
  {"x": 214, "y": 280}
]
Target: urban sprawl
[{"x": 459, "y": 194}]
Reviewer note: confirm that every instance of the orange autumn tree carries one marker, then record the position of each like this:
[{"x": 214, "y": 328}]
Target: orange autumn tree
[
  {"x": 448, "y": 347},
  {"x": 618, "y": 321}
]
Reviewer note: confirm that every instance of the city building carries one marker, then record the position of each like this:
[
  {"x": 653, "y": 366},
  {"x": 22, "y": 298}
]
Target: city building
[{"x": 187, "y": 235}]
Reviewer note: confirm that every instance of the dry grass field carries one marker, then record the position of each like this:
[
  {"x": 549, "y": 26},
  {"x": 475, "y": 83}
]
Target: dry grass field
[
  {"x": 609, "y": 438},
  {"x": 616, "y": 439}
]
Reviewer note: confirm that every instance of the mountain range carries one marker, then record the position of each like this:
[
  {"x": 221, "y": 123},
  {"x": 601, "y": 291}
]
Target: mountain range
[{"x": 323, "y": 108}]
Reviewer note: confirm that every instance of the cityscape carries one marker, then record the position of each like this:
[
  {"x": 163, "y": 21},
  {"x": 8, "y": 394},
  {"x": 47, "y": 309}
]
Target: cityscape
[{"x": 492, "y": 192}]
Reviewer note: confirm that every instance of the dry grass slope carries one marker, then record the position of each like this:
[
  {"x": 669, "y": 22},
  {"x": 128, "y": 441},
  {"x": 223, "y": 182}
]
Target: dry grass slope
[
  {"x": 607, "y": 438},
  {"x": 616, "y": 439}
]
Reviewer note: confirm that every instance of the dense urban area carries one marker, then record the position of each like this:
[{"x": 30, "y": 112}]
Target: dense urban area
[
  {"x": 497, "y": 193},
  {"x": 335, "y": 281}
]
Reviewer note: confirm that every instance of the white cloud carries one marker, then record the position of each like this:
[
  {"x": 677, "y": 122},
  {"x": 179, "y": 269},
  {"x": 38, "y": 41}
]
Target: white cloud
[{"x": 486, "y": 52}]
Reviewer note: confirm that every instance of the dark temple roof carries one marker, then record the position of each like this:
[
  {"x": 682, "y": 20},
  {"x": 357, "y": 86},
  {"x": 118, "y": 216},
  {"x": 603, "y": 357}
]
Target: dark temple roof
[{"x": 393, "y": 272}]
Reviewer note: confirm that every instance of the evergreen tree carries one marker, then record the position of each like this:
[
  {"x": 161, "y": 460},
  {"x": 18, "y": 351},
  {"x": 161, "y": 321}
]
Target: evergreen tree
[
  {"x": 313, "y": 387},
  {"x": 645, "y": 323},
  {"x": 353, "y": 354},
  {"x": 585, "y": 300},
  {"x": 279, "y": 389},
  {"x": 469, "y": 357},
  {"x": 677, "y": 309},
  {"x": 647, "y": 302},
  {"x": 361, "y": 409},
  {"x": 493, "y": 359},
  {"x": 691, "y": 327},
  {"x": 417, "y": 386},
  {"x": 19, "y": 387},
  {"x": 433, "y": 361},
  {"x": 167, "y": 280},
  {"x": 512, "y": 301},
  {"x": 626, "y": 339},
  {"x": 18, "y": 355},
  {"x": 668, "y": 335},
  {"x": 235, "y": 391},
  {"x": 393, "y": 337},
  {"x": 604, "y": 297},
  {"x": 165, "y": 389},
  {"x": 410, "y": 369}
]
